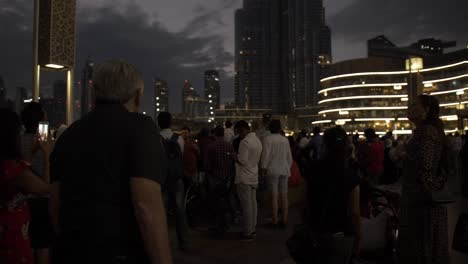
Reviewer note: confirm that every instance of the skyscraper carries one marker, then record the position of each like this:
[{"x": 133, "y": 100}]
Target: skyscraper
[
  {"x": 87, "y": 92},
  {"x": 161, "y": 97},
  {"x": 257, "y": 52},
  {"x": 281, "y": 47},
  {"x": 212, "y": 91},
  {"x": 188, "y": 91},
  {"x": 310, "y": 44}
]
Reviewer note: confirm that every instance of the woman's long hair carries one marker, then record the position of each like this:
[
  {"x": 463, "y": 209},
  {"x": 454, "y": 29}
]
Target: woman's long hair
[
  {"x": 336, "y": 145},
  {"x": 10, "y": 147}
]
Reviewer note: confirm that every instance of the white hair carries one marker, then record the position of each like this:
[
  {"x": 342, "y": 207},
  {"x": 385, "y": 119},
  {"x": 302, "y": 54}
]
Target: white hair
[{"x": 117, "y": 80}]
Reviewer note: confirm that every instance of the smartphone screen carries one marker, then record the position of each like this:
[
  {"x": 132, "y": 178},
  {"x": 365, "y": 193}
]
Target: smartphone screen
[{"x": 43, "y": 131}]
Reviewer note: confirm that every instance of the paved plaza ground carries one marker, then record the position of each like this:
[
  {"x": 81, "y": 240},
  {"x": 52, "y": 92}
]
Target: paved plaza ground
[{"x": 269, "y": 245}]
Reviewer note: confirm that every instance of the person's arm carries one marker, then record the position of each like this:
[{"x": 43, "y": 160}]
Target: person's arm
[
  {"x": 54, "y": 206},
  {"x": 265, "y": 154},
  {"x": 289, "y": 159},
  {"x": 151, "y": 217},
  {"x": 148, "y": 169},
  {"x": 31, "y": 183},
  {"x": 356, "y": 218},
  {"x": 243, "y": 156},
  {"x": 181, "y": 142}
]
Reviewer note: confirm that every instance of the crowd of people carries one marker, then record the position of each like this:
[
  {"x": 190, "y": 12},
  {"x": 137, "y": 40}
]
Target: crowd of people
[{"x": 98, "y": 193}]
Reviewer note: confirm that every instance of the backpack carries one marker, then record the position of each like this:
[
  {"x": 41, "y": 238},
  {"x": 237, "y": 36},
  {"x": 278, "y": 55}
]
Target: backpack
[{"x": 174, "y": 160}]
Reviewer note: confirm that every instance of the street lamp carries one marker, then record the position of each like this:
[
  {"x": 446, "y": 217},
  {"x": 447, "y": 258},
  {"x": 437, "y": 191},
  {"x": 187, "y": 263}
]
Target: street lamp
[
  {"x": 413, "y": 66},
  {"x": 54, "y": 44}
]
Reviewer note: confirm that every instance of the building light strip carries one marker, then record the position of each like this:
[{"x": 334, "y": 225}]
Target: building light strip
[
  {"x": 321, "y": 122},
  {"x": 446, "y": 79},
  {"x": 373, "y": 119},
  {"x": 403, "y": 119},
  {"x": 363, "y": 74},
  {"x": 449, "y": 117},
  {"x": 371, "y": 85},
  {"x": 364, "y": 108},
  {"x": 363, "y": 97},
  {"x": 444, "y": 67},
  {"x": 449, "y": 91},
  {"x": 452, "y": 104}
]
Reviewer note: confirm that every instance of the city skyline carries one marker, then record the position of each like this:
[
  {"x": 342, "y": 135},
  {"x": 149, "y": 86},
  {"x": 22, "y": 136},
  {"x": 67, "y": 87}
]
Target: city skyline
[{"x": 201, "y": 37}]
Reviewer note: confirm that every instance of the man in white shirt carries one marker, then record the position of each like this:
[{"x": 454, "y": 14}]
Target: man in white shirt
[
  {"x": 247, "y": 161},
  {"x": 276, "y": 165},
  {"x": 228, "y": 132},
  {"x": 175, "y": 187}
]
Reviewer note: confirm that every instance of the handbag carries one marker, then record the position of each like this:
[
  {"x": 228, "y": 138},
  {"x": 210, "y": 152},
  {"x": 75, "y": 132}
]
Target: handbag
[{"x": 460, "y": 238}]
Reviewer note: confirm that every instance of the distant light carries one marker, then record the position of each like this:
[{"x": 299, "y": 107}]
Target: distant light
[
  {"x": 428, "y": 85},
  {"x": 212, "y": 113},
  {"x": 404, "y": 99},
  {"x": 211, "y": 101},
  {"x": 216, "y": 79},
  {"x": 144, "y": 113},
  {"x": 157, "y": 109},
  {"x": 55, "y": 66},
  {"x": 27, "y": 101},
  {"x": 157, "y": 98},
  {"x": 397, "y": 87},
  {"x": 460, "y": 92},
  {"x": 157, "y": 104},
  {"x": 209, "y": 120},
  {"x": 209, "y": 96},
  {"x": 211, "y": 108},
  {"x": 344, "y": 112}
]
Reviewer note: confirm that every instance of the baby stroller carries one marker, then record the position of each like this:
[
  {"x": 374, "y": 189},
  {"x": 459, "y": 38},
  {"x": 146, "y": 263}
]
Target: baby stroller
[{"x": 380, "y": 224}]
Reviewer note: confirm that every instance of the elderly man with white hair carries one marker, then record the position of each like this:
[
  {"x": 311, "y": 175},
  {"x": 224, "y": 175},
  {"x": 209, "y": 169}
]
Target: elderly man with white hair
[{"x": 107, "y": 170}]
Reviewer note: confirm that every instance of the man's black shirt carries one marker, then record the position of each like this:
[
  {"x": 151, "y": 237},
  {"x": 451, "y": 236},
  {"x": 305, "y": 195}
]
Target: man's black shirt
[{"x": 93, "y": 161}]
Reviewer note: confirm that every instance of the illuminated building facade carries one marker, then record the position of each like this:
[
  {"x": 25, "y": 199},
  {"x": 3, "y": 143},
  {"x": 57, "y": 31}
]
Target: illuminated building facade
[
  {"x": 161, "y": 97},
  {"x": 374, "y": 92}
]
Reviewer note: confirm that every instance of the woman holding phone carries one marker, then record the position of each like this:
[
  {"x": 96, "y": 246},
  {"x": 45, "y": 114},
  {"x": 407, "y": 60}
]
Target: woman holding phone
[
  {"x": 16, "y": 181},
  {"x": 36, "y": 127}
]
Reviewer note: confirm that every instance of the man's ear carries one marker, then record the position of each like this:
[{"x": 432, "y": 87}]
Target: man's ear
[{"x": 138, "y": 98}]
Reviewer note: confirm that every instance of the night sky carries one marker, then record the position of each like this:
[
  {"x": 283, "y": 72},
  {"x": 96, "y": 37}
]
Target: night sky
[{"x": 179, "y": 39}]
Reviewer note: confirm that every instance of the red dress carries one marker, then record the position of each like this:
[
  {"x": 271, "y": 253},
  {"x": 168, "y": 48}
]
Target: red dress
[{"x": 15, "y": 247}]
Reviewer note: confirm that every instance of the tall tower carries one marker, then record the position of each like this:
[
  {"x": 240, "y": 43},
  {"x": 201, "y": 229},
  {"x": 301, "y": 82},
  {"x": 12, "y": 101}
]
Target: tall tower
[
  {"x": 212, "y": 90},
  {"x": 281, "y": 47},
  {"x": 87, "y": 91},
  {"x": 258, "y": 55},
  {"x": 310, "y": 44},
  {"x": 161, "y": 97}
]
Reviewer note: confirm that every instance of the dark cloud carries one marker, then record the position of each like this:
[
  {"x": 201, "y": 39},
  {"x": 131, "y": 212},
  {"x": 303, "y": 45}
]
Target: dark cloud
[
  {"x": 106, "y": 33},
  {"x": 402, "y": 21}
]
